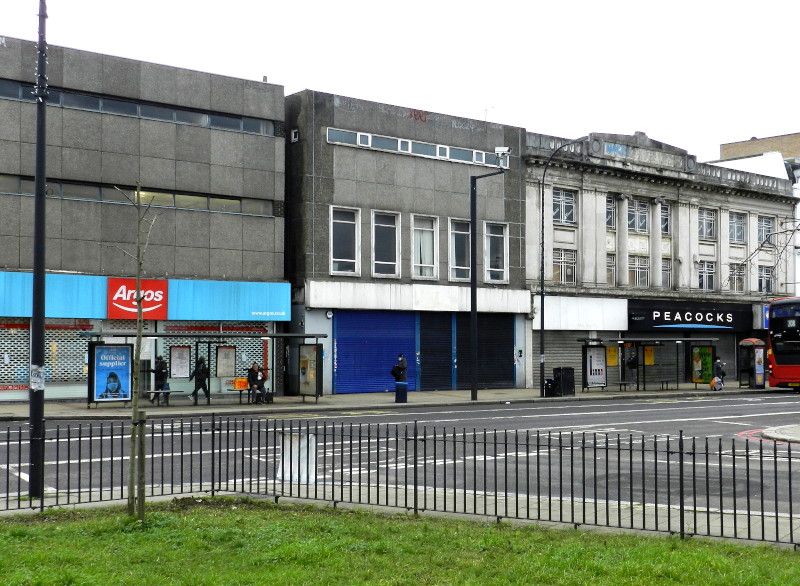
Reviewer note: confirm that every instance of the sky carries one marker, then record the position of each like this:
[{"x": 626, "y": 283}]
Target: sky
[{"x": 693, "y": 74}]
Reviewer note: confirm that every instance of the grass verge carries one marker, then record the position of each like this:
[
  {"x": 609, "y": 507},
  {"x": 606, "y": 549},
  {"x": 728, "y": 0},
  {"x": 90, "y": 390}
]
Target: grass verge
[{"x": 241, "y": 541}]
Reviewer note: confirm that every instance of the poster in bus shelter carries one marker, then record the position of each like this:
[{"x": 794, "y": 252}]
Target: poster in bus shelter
[
  {"x": 111, "y": 370},
  {"x": 702, "y": 364},
  {"x": 612, "y": 356},
  {"x": 649, "y": 356},
  {"x": 596, "y": 366},
  {"x": 759, "y": 367}
]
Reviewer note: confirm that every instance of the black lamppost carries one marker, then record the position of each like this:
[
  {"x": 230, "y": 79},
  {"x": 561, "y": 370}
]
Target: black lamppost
[
  {"x": 541, "y": 262},
  {"x": 36, "y": 374},
  {"x": 502, "y": 158}
]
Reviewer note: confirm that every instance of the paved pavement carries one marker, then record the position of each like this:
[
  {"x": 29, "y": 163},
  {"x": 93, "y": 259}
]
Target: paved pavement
[{"x": 228, "y": 404}]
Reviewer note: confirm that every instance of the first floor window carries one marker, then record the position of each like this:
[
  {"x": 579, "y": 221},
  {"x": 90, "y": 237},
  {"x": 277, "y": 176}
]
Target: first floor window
[
  {"x": 706, "y": 271},
  {"x": 459, "y": 250},
  {"x": 737, "y": 278},
  {"x": 766, "y": 279},
  {"x": 611, "y": 269},
  {"x": 639, "y": 271},
  {"x": 564, "y": 264},
  {"x": 496, "y": 251},
  {"x": 385, "y": 244},
  {"x": 666, "y": 273},
  {"x": 344, "y": 241},
  {"x": 425, "y": 239}
]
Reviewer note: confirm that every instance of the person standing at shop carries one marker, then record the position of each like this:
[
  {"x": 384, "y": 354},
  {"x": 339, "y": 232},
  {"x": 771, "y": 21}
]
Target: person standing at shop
[
  {"x": 399, "y": 372},
  {"x": 200, "y": 376},
  {"x": 161, "y": 370},
  {"x": 719, "y": 370}
]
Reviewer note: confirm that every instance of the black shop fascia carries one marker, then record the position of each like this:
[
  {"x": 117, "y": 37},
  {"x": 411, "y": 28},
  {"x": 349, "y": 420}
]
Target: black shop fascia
[{"x": 671, "y": 315}]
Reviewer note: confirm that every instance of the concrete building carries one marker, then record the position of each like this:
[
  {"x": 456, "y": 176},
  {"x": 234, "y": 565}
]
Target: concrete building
[
  {"x": 207, "y": 153},
  {"x": 650, "y": 255},
  {"x": 378, "y": 222}
]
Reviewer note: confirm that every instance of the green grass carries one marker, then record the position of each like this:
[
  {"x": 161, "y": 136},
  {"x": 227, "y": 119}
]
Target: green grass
[{"x": 239, "y": 541}]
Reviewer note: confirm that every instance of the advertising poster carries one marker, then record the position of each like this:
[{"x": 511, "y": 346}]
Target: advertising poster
[
  {"x": 759, "y": 366},
  {"x": 112, "y": 372},
  {"x": 702, "y": 364},
  {"x": 226, "y": 361},
  {"x": 179, "y": 363},
  {"x": 596, "y": 366},
  {"x": 612, "y": 356},
  {"x": 310, "y": 359},
  {"x": 649, "y": 355}
]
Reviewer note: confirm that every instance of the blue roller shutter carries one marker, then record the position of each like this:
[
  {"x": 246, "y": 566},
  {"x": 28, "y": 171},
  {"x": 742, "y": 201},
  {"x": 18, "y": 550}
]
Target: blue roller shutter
[{"x": 366, "y": 345}]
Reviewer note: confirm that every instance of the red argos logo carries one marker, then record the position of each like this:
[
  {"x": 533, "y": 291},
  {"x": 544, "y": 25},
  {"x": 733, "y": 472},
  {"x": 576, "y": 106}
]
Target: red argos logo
[{"x": 122, "y": 298}]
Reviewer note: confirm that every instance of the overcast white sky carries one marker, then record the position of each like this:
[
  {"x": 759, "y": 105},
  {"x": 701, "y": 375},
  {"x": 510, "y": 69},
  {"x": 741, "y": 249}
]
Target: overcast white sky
[{"x": 693, "y": 74}]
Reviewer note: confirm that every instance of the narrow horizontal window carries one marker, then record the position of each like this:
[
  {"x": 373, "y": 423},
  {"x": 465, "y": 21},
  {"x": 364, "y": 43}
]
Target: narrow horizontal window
[
  {"x": 423, "y": 148},
  {"x": 257, "y": 207},
  {"x": 189, "y": 117},
  {"x": 192, "y": 202},
  {"x": 157, "y": 112},
  {"x": 9, "y": 184},
  {"x": 81, "y": 101},
  {"x": 461, "y": 154},
  {"x": 157, "y": 198},
  {"x": 80, "y": 191},
  {"x": 342, "y": 136},
  {"x": 222, "y": 204},
  {"x": 120, "y": 107},
  {"x": 385, "y": 143},
  {"x": 9, "y": 89},
  {"x": 225, "y": 122}
]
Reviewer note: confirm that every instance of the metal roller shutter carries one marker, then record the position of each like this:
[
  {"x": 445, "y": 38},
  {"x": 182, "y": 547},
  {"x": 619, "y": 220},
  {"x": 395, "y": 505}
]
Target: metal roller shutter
[
  {"x": 495, "y": 350},
  {"x": 366, "y": 345},
  {"x": 435, "y": 351}
]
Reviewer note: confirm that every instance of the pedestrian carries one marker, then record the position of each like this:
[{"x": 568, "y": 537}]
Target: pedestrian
[
  {"x": 719, "y": 370},
  {"x": 400, "y": 369},
  {"x": 200, "y": 376},
  {"x": 161, "y": 370},
  {"x": 267, "y": 392},
  {"x": 255, "y": 380}
]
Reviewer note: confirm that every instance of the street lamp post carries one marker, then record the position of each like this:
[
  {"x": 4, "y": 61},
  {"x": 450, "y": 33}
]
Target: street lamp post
[
  {"x": 541, "y": 261},
  {"x": 502, "y": 156}
]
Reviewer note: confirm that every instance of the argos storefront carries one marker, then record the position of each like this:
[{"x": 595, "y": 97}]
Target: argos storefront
[{"x": 81, "y": 303}]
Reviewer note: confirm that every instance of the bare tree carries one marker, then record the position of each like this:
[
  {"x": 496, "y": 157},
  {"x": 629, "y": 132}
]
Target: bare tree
[{"x": 136, "y": 467}]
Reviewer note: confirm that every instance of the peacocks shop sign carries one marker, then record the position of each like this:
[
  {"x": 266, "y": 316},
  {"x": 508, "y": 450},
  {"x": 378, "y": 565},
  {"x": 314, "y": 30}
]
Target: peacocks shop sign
[{"x": 646, "y": 315}]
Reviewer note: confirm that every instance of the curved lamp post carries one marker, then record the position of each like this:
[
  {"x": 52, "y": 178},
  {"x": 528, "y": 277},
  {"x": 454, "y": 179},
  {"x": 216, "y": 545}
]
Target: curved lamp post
[
  {"x": 541, "y": 261},
  {"x": 503, "y": 154}
]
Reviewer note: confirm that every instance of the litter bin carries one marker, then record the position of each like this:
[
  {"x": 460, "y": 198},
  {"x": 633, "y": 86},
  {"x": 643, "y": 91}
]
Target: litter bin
[
  {"x": 563, "y": 381},
  {"x": 400, "y": 392}
]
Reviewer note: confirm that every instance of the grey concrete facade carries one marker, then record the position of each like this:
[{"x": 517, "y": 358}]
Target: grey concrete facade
[{"x": 91, "y": 147}]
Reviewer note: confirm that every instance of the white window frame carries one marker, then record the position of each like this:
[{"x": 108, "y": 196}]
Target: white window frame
[
  {"x": 666, "y": 273},
  {"x": 375, "y": 262},
  {"x": 707, "y": 224},
  {"x": 707, "y": 275},
  {"x": 638, "y": 210},
  {"x": 565, "y": 199},
  {"x": 488, "y": 271},
  {"x": 766, "y": 229},
  {"x": 639, "y": 271},
  {"x": 737, "y": 228},
  {"x": 736, "y": 278},
  {"x": 452, "y": 267},
  {"x": 766, "y": 279},
  {"x": 415, "y": 266},
  {"x": 357, "y": 236},
  {"x": 565, "y": 259},
  {"x": 611, "y": 213},
  {"x": 666, "y": 219},
  {"x": 611, "y": 269}
]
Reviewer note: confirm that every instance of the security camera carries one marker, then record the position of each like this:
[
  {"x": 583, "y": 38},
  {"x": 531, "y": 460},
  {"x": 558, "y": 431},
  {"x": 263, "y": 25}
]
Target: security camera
[{"x": 502, "y": 151}]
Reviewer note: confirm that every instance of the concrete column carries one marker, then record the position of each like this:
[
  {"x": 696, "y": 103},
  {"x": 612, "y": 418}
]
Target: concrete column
[
  {"x": 655, "y": 243},
  {"x": 622, "y": 240}
]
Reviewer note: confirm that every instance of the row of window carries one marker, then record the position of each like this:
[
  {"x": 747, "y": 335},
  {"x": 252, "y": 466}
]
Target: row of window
[
  {"x": 345, "y": 246},
  {"x": 415, "y": 147},
  {"x": 82, "y": 101},
  {"x": 564, "y": 203},
  {"x": 14, "y": 184},
  {"x": 565, "y": 268}
]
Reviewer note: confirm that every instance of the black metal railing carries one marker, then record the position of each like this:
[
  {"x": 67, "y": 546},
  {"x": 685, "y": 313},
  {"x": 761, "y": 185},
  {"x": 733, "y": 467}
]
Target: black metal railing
[{"x": 734, "y": 488}]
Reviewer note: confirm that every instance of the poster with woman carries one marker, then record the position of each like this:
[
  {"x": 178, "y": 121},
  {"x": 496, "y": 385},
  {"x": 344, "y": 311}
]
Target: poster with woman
[{"x": 111, "y": 372}]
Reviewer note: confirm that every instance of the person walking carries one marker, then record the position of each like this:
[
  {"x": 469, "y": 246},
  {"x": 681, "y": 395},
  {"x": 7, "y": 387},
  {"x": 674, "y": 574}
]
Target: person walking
[
  {"x": 719, "y": 369},
  {"x": 200, "y": 376},
  {"x": 255, "y": 380},
  {"x": 161, "y": 371}
]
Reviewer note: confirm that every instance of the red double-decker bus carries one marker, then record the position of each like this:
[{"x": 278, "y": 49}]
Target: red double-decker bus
[{"x": 783, "y": 343}]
